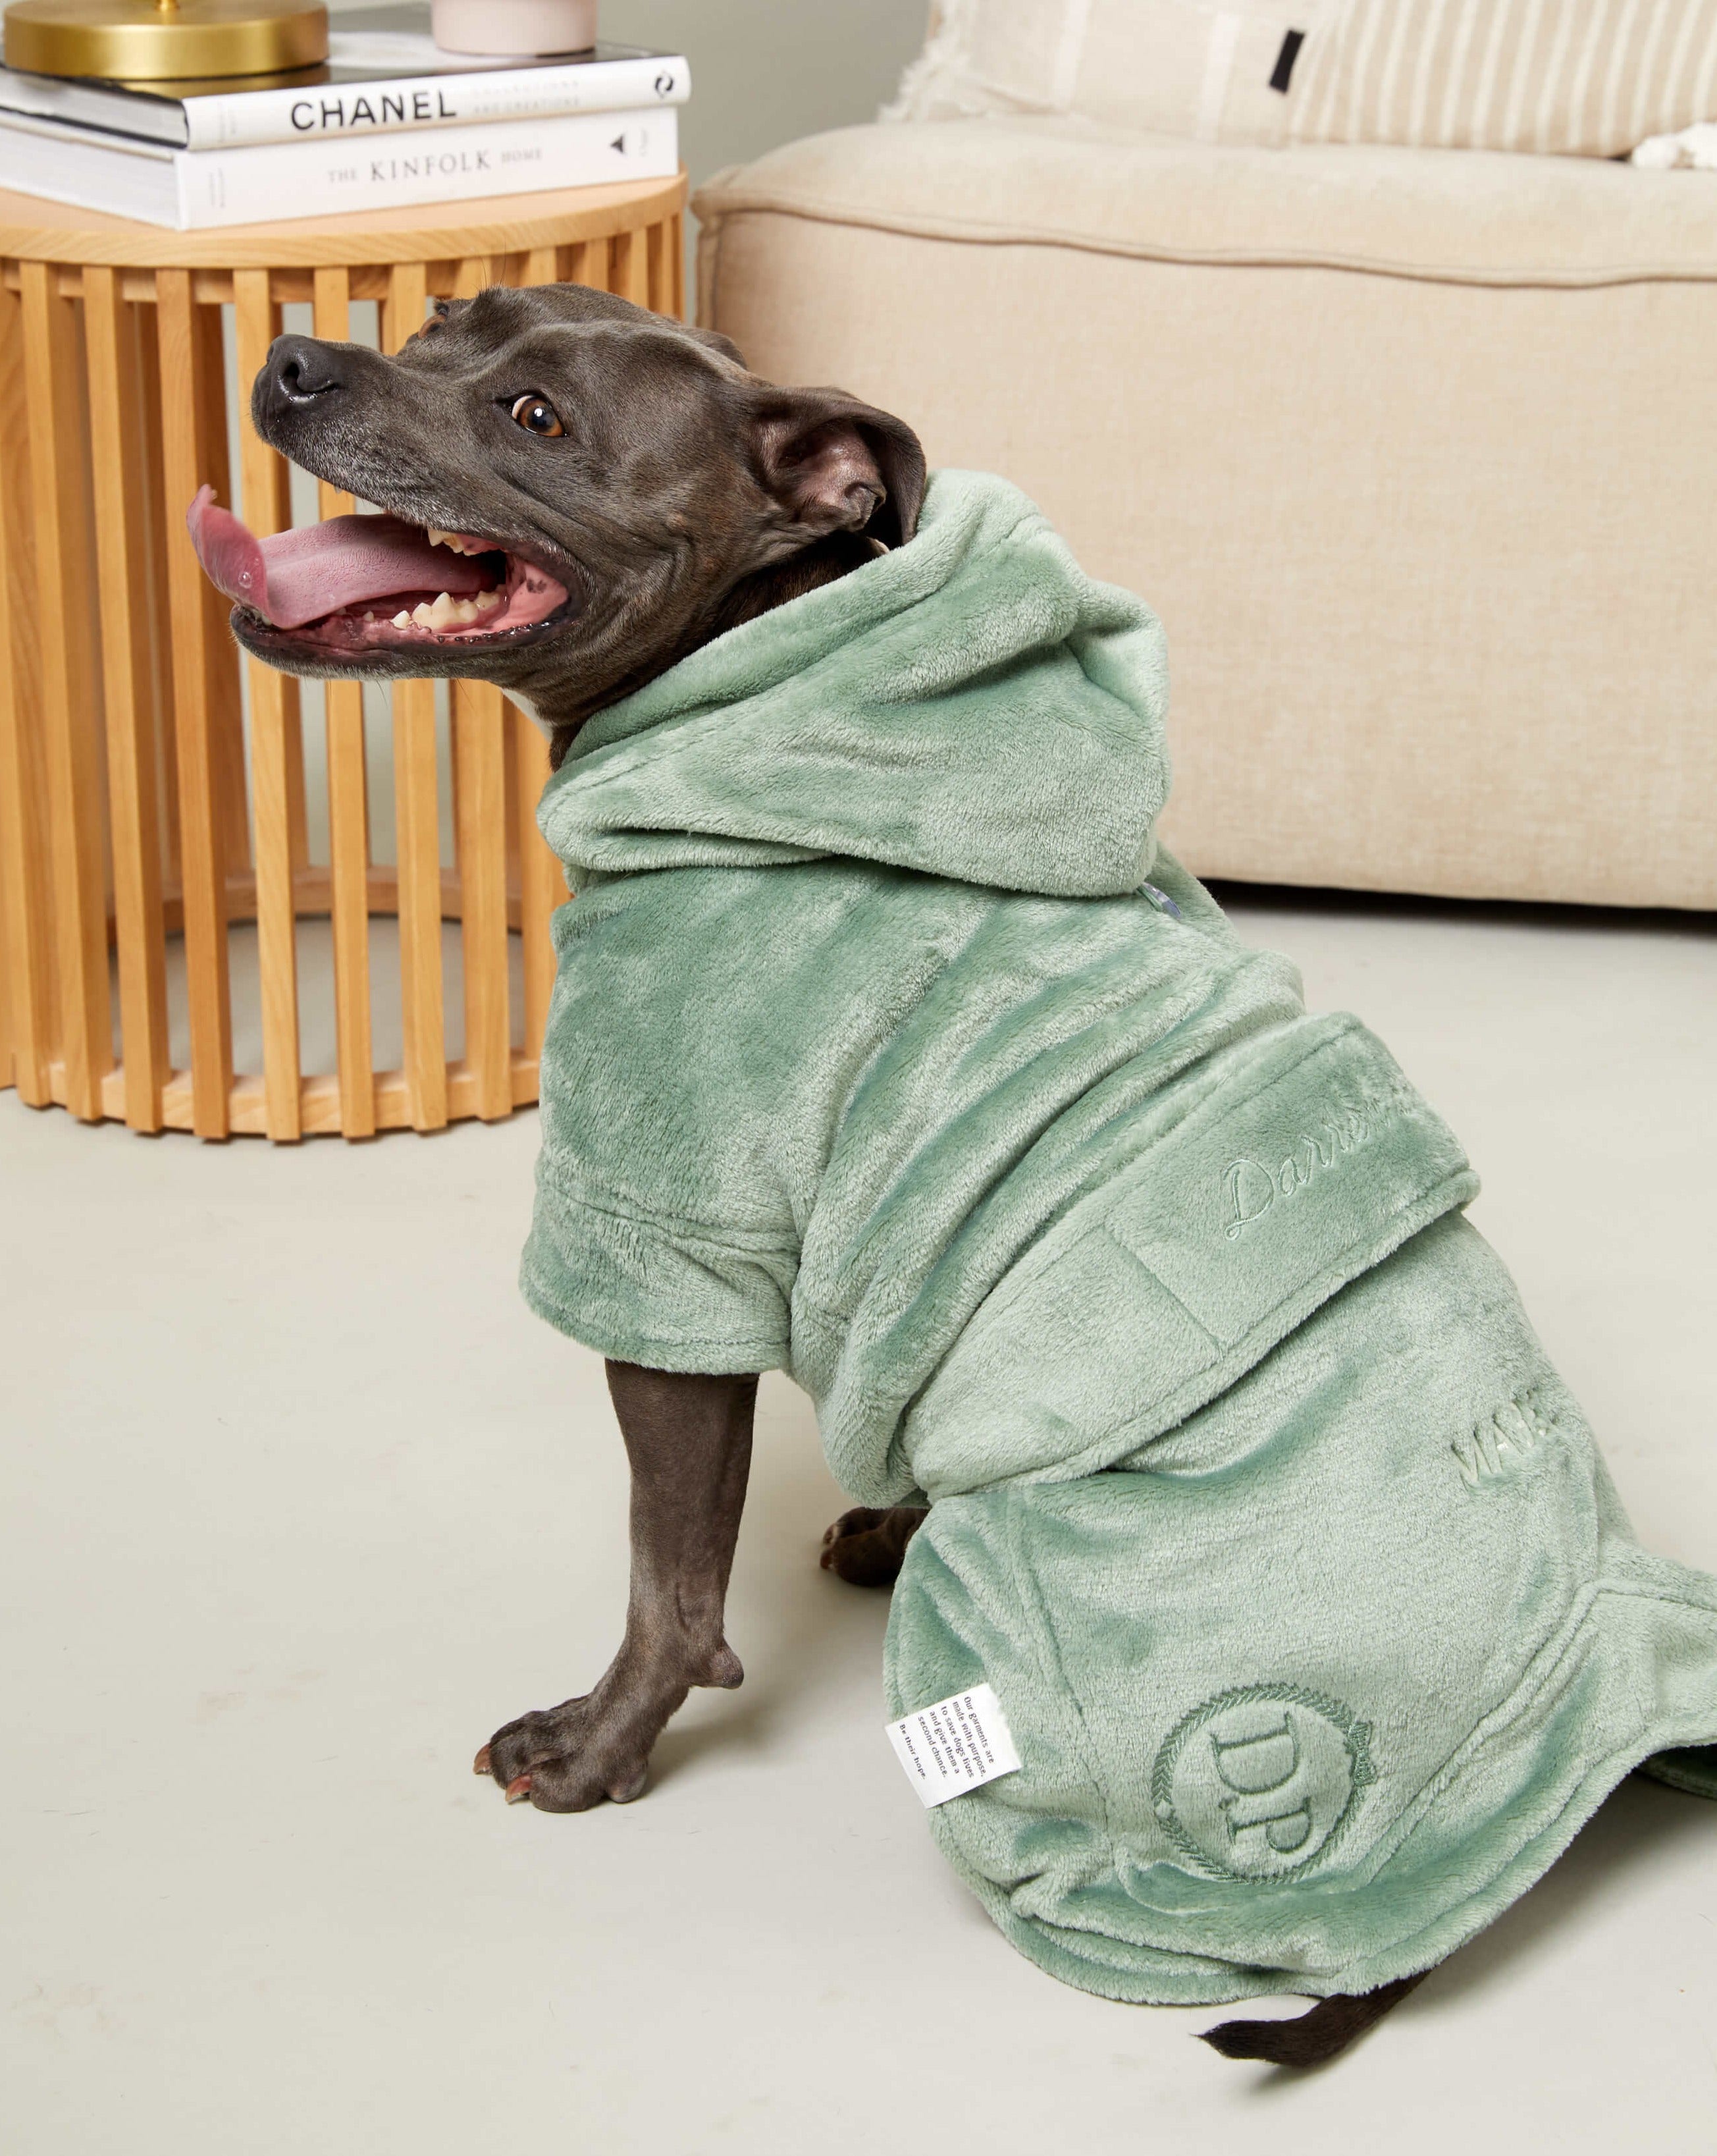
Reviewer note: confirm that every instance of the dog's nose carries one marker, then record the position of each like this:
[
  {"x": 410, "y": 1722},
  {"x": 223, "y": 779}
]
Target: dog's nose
[{"x": 298, "y": 371}]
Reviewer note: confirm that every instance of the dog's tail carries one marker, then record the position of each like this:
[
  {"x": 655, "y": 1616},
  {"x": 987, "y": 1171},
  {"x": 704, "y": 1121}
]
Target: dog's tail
[{"x": 1310, "y": 2039}]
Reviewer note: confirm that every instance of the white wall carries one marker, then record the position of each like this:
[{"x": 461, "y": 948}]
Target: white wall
[{"x": 764, "y": 71}]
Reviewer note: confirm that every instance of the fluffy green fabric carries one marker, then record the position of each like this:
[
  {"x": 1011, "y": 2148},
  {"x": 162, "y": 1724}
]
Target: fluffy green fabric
[{"x": 874, "y": 1057}]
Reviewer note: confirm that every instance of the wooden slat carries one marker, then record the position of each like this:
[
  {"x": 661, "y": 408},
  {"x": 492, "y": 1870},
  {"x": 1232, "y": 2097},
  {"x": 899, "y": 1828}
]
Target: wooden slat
[
  {"x": 266, "y": 509},
  {"x": 349, "y": 860},
  {"x": 333, "y": 323},
  {"x": 6, "y": 1077},
  {"x": 250, "y": 361},
  {"x": 297, "y": 805},
  {"x": 402, "y": 310},
  {"x": 26, "y": 909},
  {"x": 657, "y": 255},
  {"x": 509, "y": 759},
  {"x": 474, "y": 272},
  {"x": 583, "y": 262},
  {"x": 164, "y": 532},
  {"x": 26, "y": 919},
  {"x": 127, "y": 668},
  {"x": 297, "y": 793},
  {"x": 202, "y": 838},
  {"x": 541, "y": 266},
  {"x": 629, "y": 268},
  {"x": 348, "y": 812},
  {"x": 417, "y": 825},
  {"x": 480, "y": 810},
  {"x": 676, "y": 264},
  {"x": 57, "y": 472},
  {"x": 636, "y": 267},
  {"x": 542, "y": 885},
  {"x": 226, "y": 698}
]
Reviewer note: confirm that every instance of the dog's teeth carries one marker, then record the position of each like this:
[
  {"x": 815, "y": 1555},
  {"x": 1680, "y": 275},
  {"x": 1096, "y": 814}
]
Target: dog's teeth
[
  {"x": 487, "y": 602},
  {"x": 443, "y": 614},
  {"x": 369, "y": 613},
  {"x": 423, "y": 614},
  {"x": 401, "y": 621}
]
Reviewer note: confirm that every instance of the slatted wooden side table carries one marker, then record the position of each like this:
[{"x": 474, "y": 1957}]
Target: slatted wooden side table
[{"x": 134, "y": 808}]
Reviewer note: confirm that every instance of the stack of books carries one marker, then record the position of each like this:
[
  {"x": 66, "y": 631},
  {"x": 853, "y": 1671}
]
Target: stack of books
[{"x": 390, "y": 121}]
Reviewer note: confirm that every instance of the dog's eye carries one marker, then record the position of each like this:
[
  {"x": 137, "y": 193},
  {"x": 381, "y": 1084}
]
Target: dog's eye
[{"x": 537, "y": 415}]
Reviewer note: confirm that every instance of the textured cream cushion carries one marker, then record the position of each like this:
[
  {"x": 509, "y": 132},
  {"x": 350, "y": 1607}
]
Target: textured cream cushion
[
  {"x": 1595, "y": 76},
  {"x": 1170, "y": 67},
  {"x": 1592, "y": 76},
  {"x": 1414, "y": 455},
  {"x": 1476, "y": 219}
]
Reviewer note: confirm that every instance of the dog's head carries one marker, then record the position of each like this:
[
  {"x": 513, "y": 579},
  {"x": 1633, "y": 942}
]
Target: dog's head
[{"x": 584, "y": 492}]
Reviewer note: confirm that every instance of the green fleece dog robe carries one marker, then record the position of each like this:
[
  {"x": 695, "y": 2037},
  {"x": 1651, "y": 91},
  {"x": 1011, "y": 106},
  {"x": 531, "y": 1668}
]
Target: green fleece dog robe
[{"x": 888, "y": 1049}]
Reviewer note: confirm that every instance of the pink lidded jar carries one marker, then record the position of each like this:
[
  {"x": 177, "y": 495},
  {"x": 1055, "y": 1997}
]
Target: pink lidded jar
[{"x": 514, "y": 27}]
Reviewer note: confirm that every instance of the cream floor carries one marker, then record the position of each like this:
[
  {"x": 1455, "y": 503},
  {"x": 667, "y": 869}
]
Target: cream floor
[{"x": 298, "y": 1502}]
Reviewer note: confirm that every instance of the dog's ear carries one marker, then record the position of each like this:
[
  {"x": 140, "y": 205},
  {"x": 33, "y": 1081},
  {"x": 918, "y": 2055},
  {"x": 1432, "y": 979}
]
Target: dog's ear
[
  {"x": 441, "y": 312},
  {"x": 835, "y": 465}
]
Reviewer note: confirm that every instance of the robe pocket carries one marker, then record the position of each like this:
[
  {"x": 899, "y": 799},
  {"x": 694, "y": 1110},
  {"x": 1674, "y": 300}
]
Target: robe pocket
[{"x": 1215, "y": 1240}]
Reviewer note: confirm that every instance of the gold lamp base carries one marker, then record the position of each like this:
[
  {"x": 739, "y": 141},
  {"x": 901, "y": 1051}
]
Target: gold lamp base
[{"x": 164, "y": 40}]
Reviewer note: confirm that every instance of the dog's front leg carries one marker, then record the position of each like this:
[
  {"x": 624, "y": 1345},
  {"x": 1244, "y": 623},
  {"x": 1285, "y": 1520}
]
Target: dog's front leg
[{"x": 689, "y": 1440}]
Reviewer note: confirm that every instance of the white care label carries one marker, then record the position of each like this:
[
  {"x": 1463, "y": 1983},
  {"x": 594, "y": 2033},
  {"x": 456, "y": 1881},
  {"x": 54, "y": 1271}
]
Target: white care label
[{"x": 957, "y": 1745}]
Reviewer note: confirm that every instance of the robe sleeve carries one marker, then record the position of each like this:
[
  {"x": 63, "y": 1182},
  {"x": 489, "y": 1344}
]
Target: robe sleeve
[{"x": 668, "y": 1294}]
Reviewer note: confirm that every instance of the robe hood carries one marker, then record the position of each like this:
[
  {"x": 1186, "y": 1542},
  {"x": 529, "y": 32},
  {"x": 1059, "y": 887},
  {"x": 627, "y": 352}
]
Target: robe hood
[{"x": 972, "y": 705}]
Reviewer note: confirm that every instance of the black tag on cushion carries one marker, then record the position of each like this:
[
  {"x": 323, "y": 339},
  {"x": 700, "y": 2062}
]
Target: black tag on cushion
[{"x": 1284, "y": 73}]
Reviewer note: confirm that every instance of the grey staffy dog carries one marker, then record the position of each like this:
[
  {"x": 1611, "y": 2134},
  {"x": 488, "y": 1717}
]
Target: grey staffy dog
[{"x": 578, "y": 495}]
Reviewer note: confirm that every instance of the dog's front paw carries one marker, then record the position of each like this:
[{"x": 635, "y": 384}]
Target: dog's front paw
[
  {"x": 566, "y": 1758},
  {"x": 866, "y": 1548}
]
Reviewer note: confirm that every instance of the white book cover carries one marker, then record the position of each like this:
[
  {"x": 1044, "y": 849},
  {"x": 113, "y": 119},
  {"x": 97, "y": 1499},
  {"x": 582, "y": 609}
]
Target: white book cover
[
  {"x": 434, "y": 100},
  {"x": 196, "y": 190},
  {"x": 384, "y": 72}
]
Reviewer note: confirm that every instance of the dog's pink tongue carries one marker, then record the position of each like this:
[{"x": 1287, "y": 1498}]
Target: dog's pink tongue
[
  {"x": 231, "y": 557},
  {"x": 300, "y": 575}
]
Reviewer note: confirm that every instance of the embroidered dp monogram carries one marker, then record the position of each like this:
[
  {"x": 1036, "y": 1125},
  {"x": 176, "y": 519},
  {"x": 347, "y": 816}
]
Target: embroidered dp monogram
[{"x": 1259, "y": 1781}]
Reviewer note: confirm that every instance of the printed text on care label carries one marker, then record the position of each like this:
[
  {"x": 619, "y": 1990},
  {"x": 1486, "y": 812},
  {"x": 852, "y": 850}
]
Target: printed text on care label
[{"x": 957, "y": 1745}]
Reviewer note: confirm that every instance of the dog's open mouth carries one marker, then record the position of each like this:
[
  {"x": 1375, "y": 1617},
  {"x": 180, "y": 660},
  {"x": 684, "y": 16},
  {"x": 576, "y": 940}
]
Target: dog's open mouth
[{"x": 359, "y": 583}]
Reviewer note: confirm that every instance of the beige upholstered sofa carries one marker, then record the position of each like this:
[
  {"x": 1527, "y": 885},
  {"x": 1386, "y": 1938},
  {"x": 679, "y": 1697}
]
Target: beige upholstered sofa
[{"x": 1415, "y": 451}]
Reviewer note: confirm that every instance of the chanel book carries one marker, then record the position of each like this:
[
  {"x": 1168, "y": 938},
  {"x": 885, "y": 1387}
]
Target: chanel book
[
  {"x": 384, "y": 73},
  {"x": 191, "y": 190}
]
